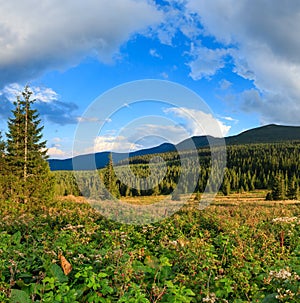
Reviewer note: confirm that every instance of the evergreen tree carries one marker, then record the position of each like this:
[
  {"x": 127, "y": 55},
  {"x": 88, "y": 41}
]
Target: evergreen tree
[
  {"x": 30, "y": 179},
  {"x": 292, "y": 192},
  {"x": 278, "y": 188},
  {"x": 226, "y": 187},
  {"x": 110, "y": 180}
]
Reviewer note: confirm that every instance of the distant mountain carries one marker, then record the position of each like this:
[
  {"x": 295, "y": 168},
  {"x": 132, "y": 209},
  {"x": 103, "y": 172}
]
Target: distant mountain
[
  {"x": 271, "y": 133},
  {"x": 266, "y": 134},
  {"x": 100, "y": 160}
]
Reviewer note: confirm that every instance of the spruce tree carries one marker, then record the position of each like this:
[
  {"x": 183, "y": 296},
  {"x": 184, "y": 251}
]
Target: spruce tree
[
  {"x": 110, "y": 180},
  {"x": 292, "y": 192},
  {"x": 30, "y": 179},
  {"x": 278, "y": 188}
]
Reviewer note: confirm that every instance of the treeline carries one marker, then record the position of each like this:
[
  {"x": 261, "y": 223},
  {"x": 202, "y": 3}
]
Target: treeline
[
  {"x": 258, "y": 166},
  {"x": 25, "y": 176}
]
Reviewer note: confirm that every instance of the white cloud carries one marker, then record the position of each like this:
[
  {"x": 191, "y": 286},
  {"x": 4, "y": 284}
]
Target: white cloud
[
  {"x": 207, "y": 61},
  {"x": 44, "y": 94},
  {"x": 176, "y": 18},
  {"x": 262, "y": 37},
  {"x": 114, "y": 143},
  {"x": 56, "y": 152},
  {"x": 154, "y": 53},
  {"x": 229, "y": 119},
  {"x": 198, "y": 123},
  {"x": 41, "y": 94},
  {"x": 52, "y": 34},
  {"x": 48, "y": 104}
]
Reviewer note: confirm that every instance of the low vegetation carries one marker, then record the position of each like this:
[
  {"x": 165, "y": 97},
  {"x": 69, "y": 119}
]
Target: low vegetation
[{"x": 233, "y": 251}]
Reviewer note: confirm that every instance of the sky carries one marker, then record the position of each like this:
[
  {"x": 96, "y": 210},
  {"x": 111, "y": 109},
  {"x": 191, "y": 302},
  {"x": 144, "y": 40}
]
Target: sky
[{"x": 241, "y": 58}]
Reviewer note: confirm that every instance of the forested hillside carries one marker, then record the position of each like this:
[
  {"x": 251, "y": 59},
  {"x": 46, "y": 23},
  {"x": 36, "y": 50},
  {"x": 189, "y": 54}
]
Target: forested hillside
[
  {"x": 265, "y": 134},
  {"x": 249, "y": 167}
]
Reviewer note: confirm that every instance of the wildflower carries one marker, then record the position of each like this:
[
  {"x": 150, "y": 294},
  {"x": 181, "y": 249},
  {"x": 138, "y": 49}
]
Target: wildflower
[
  {"x": 282, "y": 274},
  {"x": 210, "y": 298},
  {"x": 286, "y": 220}
]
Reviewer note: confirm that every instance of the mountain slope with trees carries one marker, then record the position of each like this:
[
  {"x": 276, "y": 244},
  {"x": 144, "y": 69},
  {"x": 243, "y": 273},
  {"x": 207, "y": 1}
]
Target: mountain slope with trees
[
  {"x": 266, "y": 134},
  {"x": 249, "y": 167}
]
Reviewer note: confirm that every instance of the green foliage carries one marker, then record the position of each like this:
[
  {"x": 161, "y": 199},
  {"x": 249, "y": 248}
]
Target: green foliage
[
  {"x": 242, "y": 253},
  {"x": 28, "y": 177}
]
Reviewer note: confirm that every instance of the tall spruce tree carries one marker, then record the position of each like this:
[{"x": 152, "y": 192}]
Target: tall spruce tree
[
  {"x": 292, "y": 191},
  {"x": 110, "y": 180},
  {"x": 278, "y": 189},
  {"x": 30, "y": 180}
]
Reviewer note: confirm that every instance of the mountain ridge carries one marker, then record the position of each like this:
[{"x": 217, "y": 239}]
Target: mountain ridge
[{"x": 271, "y": 133}]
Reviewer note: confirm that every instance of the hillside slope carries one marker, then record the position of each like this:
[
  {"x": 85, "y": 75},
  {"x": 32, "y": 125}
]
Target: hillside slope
[{"x": 265, "y": 134}]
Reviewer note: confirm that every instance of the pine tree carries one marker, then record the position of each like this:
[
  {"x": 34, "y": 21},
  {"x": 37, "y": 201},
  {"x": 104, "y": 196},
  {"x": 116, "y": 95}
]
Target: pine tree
[
  {"x": 292, "y": 192},
  {"x": 278, "y": 188},
  {"x": 110, "y": 180},
  {"x": 30, "y": 179},
  {"x": 226, "y": 187}
]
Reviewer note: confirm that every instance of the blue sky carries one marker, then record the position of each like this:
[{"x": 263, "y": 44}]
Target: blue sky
[{"x": 241, "y": 58}]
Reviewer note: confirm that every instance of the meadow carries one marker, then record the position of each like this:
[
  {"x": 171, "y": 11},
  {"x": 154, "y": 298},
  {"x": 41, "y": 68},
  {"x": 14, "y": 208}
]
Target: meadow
[{"x": 241, "y": 248}]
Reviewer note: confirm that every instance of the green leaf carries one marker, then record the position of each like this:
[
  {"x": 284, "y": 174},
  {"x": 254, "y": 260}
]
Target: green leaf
[
  {"x": 16, "y": 237},
  {"x": 57, "y": 272},
  {"x": 19, "y": 296}
]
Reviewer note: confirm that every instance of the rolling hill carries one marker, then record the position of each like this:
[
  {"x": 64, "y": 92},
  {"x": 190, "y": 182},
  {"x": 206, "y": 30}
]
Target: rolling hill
[{"x": 265, "y": 134}]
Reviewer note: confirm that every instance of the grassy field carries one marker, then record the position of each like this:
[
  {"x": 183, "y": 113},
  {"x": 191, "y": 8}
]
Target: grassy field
[{"x": 239, "y": 249}]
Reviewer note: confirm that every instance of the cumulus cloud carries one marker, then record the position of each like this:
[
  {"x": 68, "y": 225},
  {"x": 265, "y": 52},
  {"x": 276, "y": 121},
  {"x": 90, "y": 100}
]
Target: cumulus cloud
[
  {"x": 47, "y": 103},
  {"x": 207, "y": 61},
  {"x": 199, "y": 123},
  {"x": 41, "y": 94},
  {"x": 114, "y": 143},
  {"x": 262, "y": 37},
  {"x": 55, "y": 152},
  {"x": 38, "y": 36}
]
